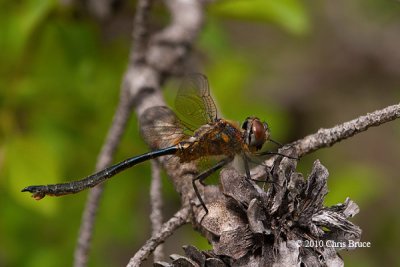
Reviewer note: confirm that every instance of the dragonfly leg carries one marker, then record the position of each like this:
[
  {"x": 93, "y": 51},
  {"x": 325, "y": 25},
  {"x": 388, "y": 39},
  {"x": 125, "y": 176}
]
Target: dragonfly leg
[
  {"x": 278, "y": 154},
  {"x": 202, "y": 176},
  {"x": 246, "y": 166},
  {"x": 248, "y": 176}
]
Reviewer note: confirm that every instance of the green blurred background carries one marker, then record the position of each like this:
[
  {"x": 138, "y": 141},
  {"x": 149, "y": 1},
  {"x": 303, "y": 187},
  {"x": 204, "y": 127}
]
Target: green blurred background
[{"x": 300, "y": 65}]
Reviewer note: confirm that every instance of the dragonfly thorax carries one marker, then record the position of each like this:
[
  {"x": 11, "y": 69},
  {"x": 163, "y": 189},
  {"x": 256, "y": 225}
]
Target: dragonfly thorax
[
  {"x": 221, "y": 138},
  {"x": 255, "y": 134}
]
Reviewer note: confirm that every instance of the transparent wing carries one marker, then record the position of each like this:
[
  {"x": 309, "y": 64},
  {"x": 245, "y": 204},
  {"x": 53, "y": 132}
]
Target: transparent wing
[
  {"x": 193, "y": 103},
  {"x": 161, "y": 128}
]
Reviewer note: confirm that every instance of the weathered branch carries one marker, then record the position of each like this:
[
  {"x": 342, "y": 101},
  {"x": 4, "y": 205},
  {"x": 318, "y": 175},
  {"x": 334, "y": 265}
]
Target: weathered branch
[
  {"x": 328, "y": 137},
  {"x": 167, "y": 229},
  {"x": 140, "y": 32}
]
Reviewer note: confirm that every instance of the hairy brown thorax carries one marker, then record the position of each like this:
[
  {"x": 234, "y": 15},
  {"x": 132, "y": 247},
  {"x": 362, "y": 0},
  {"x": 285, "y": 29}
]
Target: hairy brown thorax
[{"x": 221, "y": 138}]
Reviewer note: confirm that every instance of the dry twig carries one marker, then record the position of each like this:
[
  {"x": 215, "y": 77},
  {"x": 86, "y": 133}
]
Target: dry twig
[
  {"x": 167, "y": 229},
  {"x": 328, "y": 137}
]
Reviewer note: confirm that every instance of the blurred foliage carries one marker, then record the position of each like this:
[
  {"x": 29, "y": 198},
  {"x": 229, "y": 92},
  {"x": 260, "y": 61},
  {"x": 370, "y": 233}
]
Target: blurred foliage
[
  {"x": 61, "y": 70},
  {"x": 288, "y": 14}
]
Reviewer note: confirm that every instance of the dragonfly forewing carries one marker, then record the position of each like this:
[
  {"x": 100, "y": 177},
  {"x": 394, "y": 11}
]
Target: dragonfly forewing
[{"x": 193, "y": 103}]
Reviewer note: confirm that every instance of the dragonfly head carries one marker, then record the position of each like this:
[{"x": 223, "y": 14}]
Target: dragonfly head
[{"x": 256, "y": 133}]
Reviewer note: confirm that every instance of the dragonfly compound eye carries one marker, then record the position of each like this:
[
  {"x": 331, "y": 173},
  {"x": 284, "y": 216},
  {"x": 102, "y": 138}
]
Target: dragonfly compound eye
[{"x": 256, "y": 133}]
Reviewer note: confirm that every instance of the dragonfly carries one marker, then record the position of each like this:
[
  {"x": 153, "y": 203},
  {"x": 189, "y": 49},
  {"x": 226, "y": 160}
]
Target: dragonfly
[{"x": 196, "y": 132}]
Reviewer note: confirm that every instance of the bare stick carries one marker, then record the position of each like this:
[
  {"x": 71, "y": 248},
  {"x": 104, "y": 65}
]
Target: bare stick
[
  {"x": 140, "y": 32},
  {"x": 156, "y": 217},
  {"x": 167, "y": 229},
  {"x": 328, "y": 137}
]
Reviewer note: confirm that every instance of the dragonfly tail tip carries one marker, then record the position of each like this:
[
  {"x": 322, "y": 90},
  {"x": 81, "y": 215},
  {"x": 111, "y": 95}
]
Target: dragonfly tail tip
[{"x": 36, "y": 194}]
